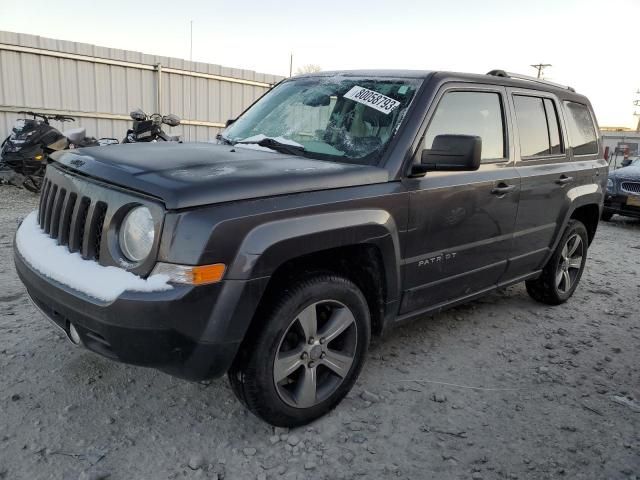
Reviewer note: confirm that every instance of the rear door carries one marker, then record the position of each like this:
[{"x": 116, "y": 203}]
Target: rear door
[
  {"x": 461, "y": 223},
  {"x": 546, "y": 173}
]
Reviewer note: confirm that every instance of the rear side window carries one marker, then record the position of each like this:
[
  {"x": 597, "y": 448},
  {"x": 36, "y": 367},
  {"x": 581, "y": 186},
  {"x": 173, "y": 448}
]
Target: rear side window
[
  {"x": 470, "y": 113},
  {"x": 582, "y": 132},
  {"x": 538, "y": 126},
  {"x": 554, "y": 130}
]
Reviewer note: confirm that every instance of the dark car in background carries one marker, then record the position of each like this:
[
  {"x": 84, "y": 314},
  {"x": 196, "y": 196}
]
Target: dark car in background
[{"x": 623, "y": 192}]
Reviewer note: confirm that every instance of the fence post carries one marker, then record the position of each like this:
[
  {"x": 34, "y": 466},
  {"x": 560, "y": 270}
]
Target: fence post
[{"x": 159, "y": 88}]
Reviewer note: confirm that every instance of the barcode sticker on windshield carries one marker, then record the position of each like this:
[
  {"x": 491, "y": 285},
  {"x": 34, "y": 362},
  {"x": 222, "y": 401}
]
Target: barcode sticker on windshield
[{"x": 372, "y": 99}]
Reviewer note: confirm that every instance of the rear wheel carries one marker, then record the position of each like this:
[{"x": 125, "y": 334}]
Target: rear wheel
[
  {"x": 563, "y": 271},
  {"x": 309, "y": 353}
]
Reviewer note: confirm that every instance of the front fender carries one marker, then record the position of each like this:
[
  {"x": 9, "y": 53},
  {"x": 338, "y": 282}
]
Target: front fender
[{"x": 269, "y": 245}]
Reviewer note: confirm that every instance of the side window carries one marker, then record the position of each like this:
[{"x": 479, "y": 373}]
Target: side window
[
  {"x": 554, "y": 129},
  {"x": 582, "y": 133},
  {"x": 470, "y": 113},
  {"x": 538, "y": 126},
  {"x": 532, "y": 126}
]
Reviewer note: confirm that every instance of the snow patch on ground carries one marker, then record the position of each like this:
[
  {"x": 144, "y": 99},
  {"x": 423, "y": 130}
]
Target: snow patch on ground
[{"x": 56, "y": 262}]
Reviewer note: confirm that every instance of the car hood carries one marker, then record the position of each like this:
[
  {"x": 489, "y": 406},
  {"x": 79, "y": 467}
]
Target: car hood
[
  {"x": 626, "y": 173},
  {"x": 192, "y": 174}
]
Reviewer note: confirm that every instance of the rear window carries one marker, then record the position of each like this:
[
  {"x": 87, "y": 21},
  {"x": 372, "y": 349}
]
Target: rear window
[{"x": 582, "y": 132}]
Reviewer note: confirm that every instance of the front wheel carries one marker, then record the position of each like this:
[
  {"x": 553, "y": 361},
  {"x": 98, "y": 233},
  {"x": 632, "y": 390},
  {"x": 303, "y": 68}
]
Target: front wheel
[
  {"x": 563, "y": 271},
  {"x": 308, "y": 353}
]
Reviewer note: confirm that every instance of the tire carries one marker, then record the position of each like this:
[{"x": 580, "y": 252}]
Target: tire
[
  {"x": 282, "y": 350},
  {"x": 606, "y": 216},
  {"x": 563, "y": 271}
]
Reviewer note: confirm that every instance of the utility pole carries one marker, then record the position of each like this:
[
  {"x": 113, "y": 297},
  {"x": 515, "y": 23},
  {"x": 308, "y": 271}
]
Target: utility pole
[
  {"x": 191, "y": 43},
  {"x": 636, "y": 103},
  {"x": 540, "y": 67},
  {"x": 291, "y": 64}
]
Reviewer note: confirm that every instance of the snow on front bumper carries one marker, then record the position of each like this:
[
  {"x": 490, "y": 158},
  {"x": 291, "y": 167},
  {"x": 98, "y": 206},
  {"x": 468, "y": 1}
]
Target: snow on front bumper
[{"x": 55, "y": 261}]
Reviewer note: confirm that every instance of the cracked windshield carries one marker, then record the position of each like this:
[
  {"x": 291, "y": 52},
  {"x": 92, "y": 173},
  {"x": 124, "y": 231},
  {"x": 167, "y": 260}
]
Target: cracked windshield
[{"x": 329, "y": 118}]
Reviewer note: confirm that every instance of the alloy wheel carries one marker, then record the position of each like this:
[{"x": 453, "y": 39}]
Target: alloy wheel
[
  {"x": 571, "y": 258},
  {"x": 315, "y": 353}
]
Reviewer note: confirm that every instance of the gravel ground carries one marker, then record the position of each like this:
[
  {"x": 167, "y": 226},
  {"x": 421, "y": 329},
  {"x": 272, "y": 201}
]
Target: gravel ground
[{"x": 500, "y": 388}]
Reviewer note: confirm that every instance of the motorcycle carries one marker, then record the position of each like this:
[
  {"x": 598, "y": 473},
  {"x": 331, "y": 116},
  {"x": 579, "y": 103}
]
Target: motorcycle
[
  {"x": 25, "y": 152},
  {"x": 148, "y": 128}
]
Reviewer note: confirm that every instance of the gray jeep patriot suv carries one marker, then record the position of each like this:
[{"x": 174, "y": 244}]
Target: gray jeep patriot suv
[{"x": 336, "y": 206}]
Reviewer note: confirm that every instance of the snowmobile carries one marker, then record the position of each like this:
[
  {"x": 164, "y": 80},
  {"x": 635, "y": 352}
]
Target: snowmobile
[
  {"x": 148, "y": 128},
  {"x": 26, "y": 150}
]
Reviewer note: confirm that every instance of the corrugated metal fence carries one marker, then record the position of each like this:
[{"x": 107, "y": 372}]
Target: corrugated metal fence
[{"x": 100, "y": 86}]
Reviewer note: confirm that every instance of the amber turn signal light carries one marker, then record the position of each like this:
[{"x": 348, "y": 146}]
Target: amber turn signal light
[
  {"x": 207, "y": 273},
  {"x": 191, "y": 274}
]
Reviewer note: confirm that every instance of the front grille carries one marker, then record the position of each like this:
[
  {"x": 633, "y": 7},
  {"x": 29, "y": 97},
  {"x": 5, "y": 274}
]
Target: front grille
[
  {"x": 631, "y": 187},
  {"x": 83, "y": 215},
  {"x": 74, "y": 220}
]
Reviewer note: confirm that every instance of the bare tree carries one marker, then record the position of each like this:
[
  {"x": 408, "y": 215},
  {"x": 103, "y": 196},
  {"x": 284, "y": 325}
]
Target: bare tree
[{"x": 310, "y": 68}]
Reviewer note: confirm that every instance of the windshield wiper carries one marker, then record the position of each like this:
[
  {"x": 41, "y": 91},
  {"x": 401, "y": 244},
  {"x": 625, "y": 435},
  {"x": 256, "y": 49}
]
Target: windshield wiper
[
  {"x": 224, "y": 139},
  {"x": 274, "y": 144}
]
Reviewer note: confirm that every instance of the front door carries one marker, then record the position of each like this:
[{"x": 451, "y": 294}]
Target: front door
[{"x": 461, "y": 223}]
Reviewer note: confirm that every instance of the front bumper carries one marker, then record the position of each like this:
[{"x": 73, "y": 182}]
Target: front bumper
[
  {"x": 174, "y": 331},
  {"x": 618, "y": 203}
]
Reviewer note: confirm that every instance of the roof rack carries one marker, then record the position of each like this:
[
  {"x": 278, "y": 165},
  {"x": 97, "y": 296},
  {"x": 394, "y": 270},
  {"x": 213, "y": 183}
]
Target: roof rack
[{"x": 517, "y": 76}]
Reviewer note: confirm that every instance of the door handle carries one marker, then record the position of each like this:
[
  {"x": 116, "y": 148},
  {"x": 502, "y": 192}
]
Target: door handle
[
  {"x": 563, "y": 180},
  {"x": 503, "y": 189}
]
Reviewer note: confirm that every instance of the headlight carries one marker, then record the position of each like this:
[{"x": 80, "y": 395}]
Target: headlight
[
  {"x": 610, "y": 185},
  {"x": 137, "y": 233}
]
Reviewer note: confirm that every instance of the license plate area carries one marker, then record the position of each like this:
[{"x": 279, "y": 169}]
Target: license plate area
[{"x": 633, "y": 201}]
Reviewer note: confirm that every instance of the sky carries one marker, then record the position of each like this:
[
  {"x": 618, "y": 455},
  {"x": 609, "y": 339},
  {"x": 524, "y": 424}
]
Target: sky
[{"x": 592, "y": 45}]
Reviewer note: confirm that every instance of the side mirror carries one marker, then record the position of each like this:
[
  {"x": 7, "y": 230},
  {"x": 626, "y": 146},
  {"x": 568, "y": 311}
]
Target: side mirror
[
  {"x": 452, "y": 153},
  {"x": 229, "y": 122},
  {"x": 171, "y": 120},
  {"x": 138, "y": 115},
  {"x": 606, "y": 153}
]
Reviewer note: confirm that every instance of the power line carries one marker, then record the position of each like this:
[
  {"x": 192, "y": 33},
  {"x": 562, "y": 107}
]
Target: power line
[{"x": 540, "y": 67}]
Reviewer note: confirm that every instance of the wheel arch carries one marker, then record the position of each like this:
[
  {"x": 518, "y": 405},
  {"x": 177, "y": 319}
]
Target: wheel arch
[
  {"x": 270, "y": 246},
  {"x": 586, "y": 203},
  {"x": 361, "y": 263},
  {"x": 361, "y": 245},
  {"x": 589, "y": 215}
]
